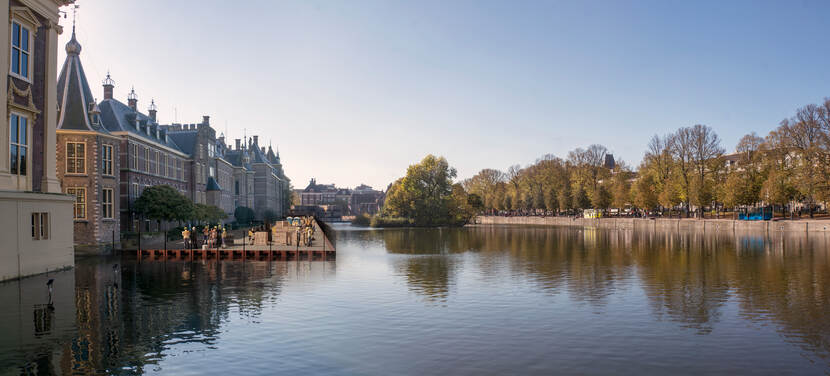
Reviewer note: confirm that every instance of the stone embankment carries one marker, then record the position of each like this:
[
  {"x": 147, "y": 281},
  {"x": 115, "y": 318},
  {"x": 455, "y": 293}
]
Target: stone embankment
[{"x": 665, "y": 224}]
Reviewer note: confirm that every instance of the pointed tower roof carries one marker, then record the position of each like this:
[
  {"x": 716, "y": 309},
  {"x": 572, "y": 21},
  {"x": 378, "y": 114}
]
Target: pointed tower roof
[{"x": 78, "y": 110}]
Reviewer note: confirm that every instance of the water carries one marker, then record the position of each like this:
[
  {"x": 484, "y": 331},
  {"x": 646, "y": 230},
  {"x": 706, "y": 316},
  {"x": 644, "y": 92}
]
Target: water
[{"x": 482, "y": 300}]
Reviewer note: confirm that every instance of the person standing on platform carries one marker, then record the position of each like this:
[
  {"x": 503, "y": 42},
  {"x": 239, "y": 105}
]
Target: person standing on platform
[{"x": 186, "y": 237}]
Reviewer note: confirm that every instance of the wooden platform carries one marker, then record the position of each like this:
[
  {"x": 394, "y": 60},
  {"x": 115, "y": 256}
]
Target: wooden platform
[{"x": 302, "y": 253}]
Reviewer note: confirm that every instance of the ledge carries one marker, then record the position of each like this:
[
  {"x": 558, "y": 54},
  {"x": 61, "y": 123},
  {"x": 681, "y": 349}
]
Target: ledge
[{"x": 35, "y": 196}]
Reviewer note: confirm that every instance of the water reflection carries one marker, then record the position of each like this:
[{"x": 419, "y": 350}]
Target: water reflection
[
  {"x": 687, "y": 277},
  {"x": 113, "y": 318},
  {"x": 502, "y": 298}
]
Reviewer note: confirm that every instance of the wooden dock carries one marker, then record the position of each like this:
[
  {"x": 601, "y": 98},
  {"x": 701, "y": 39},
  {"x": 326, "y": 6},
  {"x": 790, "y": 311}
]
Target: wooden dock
[
  {"x": 321, "y": 248},
  {"x": 237, "y": 253}
]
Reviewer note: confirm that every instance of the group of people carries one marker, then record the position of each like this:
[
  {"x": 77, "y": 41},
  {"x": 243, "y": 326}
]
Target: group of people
[
  {"x": 301, "y": 234},
  {"x": 213, "y": 237}
]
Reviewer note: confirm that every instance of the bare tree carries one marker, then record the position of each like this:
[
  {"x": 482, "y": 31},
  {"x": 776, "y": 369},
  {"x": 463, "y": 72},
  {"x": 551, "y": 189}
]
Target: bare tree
[
  {"x": 804, "y": 136},
  {"x": 748, "y": 147},
  {"x": 659, "y": 156}
]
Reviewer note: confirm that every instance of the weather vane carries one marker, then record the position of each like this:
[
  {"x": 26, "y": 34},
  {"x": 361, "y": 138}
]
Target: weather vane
[{"x": 74, "y": 16}]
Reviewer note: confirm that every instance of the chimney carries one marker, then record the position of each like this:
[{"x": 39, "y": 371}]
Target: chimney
[
  {"x": 206, "y": 120},
  {"x": 132, "y": 100},
  {"x": 256, "y": 140},
  {"x": 108, "y": 85},
  {"x": 237, "y": 143},
  {"x": 152, "y": 110}
]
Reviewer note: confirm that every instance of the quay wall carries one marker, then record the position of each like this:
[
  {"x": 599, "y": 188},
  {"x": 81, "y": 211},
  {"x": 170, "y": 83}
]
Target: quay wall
[{"x": 664, "y": 224}]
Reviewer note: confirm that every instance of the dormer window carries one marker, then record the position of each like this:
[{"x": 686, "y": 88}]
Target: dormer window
[{"x": 21, "y": 51}]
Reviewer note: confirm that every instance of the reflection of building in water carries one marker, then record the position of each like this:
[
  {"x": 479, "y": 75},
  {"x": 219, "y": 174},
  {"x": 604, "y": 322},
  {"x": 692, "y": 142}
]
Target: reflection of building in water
[
  {"x": 108, "y": 316},
  {"x": 31, "y": 326},
  {"x": 129, "y": 323}
]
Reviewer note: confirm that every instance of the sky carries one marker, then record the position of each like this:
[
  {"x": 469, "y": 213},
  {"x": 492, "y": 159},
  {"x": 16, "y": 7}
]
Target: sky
[{"x": 353, "y": 92}]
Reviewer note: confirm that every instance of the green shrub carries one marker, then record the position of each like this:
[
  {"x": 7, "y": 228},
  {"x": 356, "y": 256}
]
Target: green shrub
[
  {"x": 362, "y": 220},
  {"x": 386, "y": 221}
]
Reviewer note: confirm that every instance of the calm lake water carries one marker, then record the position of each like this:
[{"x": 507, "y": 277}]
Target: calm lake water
[{"x": 480, "y": 300}]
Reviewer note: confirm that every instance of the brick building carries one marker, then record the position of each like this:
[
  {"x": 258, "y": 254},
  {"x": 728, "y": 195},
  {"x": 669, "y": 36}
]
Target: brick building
[
  {"x": 87, "y": 158},
  {"x": 36, "y": 222},
  {"x": 110, "y": 152}
]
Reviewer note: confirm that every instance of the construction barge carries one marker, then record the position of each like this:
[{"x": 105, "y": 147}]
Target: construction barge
[{"x": 284, "y": 241}]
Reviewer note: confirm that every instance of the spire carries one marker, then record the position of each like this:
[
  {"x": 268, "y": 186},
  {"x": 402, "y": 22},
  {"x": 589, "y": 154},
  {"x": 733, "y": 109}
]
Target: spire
[
  {"x": 73, "y": 47},
  {"x": 77, "y": 107},
  {"x": 109, "y": 84},
  {"x": 152, "y": 110},
  {"x": 132, "y": 99}
]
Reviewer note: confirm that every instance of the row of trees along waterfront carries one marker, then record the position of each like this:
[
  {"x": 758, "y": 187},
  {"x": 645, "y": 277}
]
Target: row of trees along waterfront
[{"x": 686, "y": 169}]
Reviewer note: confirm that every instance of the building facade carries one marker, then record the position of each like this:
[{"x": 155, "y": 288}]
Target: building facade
[
  {"x": 365, "y": 200},
  {"x": 35, "y": 225},
  {"x": 110, "y": 152},
  {"x": 87, "y": 159},
  {"x": 340, "y": 201}
]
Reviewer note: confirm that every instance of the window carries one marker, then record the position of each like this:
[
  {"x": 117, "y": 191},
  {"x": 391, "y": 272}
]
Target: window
[
  {"x": 156, "y": 161},
  {"x": 166, "y": 166},
  {"x": 236, "y": 188},
  {"x": 40, "y": 226},
  {"x": 106, "y": 202},
  {"x": 134, "y": 163},
  {"x": 20, "y": 50},
  {"x": 146, "y": 159},
  {"x": 134, "y": 190},
  {"x": 18, "y": 143},
  {"x": 212, "y": 171},
  {"x": 79, "y": 206},
  {"x": 106, "y": 159},
  {"x": 75, "y": 158}
]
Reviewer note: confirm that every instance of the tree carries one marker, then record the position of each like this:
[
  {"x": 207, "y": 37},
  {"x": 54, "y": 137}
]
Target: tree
[
  {"x": 600, "y": 197},
  {"x": 645, "y": 193},
  {"x": 163, "y": 203},
  {"x": 695, "y": 150},
  {"x": 244, "y": 215},
  {"x": 460, "y": 209},
  {"x": 804, "y": 137},
  {"x": 209, "y": 213},
  {"x": 621, "y": 185},
  {"x": 287, "y": 196},
  {"x": 486, "y": 184},
  {"x": 475, "y": 202},
  {"x": 745, "y": 175},
  {"x": 426, "y": 195}
]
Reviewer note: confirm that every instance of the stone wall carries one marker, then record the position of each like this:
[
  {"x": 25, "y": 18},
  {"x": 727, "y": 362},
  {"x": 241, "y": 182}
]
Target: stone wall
[
  {"x": 664, "y": 224},
  {"x": 21, "y": 254}
]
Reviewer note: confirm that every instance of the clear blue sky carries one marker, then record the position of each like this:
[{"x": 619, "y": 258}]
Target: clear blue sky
[{"x": 354, "y": 91}]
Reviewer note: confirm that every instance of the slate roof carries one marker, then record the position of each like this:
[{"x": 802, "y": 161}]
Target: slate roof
[
  {"x": 212, "y": 185},
  {"x": 118, "y": 117},
  {"x": 235, "y": 158},
  {"x": 257, "y": 156},
  {"x": 273, "y": 158},
  {"x": 313, "y": 187},
  {"x": 74, "y": 95},
  {"x": 185, "y": 139}
]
